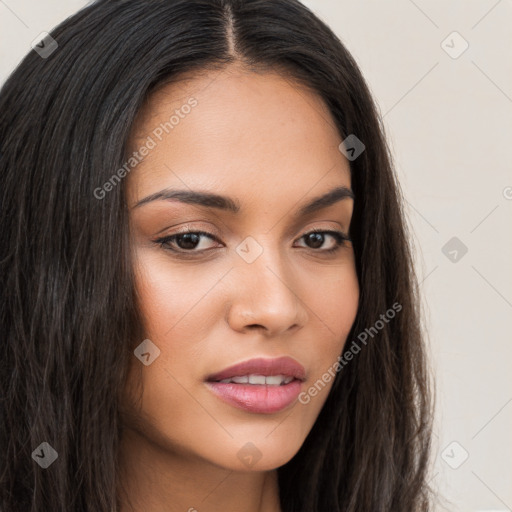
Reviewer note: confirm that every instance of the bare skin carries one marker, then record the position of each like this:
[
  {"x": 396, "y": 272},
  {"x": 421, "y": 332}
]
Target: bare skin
[{"x": 271, "y": 145}]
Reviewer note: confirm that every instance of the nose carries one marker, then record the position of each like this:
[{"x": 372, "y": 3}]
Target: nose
[{"x": 266, "y": 295}]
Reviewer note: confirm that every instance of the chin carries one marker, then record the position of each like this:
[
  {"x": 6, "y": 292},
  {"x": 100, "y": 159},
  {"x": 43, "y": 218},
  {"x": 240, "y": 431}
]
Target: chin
[{"x": 258, "y": 455}]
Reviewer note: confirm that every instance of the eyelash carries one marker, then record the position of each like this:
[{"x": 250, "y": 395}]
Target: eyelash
[{"x": 339, "y": 236}]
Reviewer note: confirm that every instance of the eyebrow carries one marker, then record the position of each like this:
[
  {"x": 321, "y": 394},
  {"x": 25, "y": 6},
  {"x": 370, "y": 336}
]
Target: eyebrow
[{"x": 211, "y": 200}]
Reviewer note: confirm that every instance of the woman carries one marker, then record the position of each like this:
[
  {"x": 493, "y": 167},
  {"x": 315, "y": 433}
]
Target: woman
[{"x": 208, "y": 294}]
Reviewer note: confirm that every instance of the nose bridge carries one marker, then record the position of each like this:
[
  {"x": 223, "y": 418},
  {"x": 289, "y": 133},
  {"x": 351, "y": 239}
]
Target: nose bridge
[
  {"x": 265, "y": 288},
  {"x": 263, "y": 264}
]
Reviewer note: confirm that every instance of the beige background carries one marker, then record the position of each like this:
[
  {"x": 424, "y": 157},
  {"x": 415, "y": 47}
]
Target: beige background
[{"x": 449, "y": 121}]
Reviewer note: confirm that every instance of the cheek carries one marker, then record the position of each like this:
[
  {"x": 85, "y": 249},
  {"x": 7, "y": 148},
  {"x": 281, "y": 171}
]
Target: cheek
[
  {"x": 179, "y": 307},
  {"x": 333, "y": 303},
  {"x": 175, "y": 307},
  {"x": 172, "y": 298},
  {"x": 333, "y": 309}
]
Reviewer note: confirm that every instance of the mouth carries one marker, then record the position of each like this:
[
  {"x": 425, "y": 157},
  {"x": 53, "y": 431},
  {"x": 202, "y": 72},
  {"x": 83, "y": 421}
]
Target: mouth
[
  {"x": 262, "y": 386},
  {"x": 259, "y": 380}
]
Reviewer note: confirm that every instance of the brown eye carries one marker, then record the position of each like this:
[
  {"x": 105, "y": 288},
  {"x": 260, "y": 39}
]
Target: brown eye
[
  {"x": 189, "y": 241},
  {"x": 315, "y": 240},
  {"x": 185, "y": 242}
]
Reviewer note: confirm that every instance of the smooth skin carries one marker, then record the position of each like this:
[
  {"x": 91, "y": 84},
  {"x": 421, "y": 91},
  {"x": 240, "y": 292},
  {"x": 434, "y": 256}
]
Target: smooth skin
[{"x": 271, "y": 145}]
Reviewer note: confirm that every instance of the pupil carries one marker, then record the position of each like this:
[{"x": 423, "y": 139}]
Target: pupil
[
  {"x": 316, "y": 237},
  {"x": 188, "y": 243}
]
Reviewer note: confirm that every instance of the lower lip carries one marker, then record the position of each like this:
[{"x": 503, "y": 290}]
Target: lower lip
[{"x": 262, "y": 399}]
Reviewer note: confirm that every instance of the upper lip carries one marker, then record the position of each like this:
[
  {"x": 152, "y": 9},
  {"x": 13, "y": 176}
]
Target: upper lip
[{"x": 281, "y": 366}]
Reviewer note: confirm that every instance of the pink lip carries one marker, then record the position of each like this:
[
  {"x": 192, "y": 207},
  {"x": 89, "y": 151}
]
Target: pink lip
[
  {"x": 281, "y": 366},
  {"x": 262, "y": 399}
]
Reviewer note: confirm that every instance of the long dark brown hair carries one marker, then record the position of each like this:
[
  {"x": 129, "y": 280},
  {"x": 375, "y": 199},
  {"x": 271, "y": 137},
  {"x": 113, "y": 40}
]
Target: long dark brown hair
[{"x": 69, "y": 320}]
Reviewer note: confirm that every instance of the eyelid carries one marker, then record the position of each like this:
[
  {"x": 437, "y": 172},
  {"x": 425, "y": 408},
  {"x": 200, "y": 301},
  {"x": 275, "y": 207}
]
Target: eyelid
[
  {"x": 341, "y": 232},
  {"x": 188, "y": 228}
]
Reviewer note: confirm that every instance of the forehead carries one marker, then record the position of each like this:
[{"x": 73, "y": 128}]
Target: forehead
[{"x": 247, "y": 133}]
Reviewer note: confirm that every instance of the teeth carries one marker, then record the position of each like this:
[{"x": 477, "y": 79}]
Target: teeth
[
  {"x": 271, "y": 380},
  {"x": 241, "y": 380},
  {"x": 258, "y": 379},
  {"x": 274, "y": 380}
]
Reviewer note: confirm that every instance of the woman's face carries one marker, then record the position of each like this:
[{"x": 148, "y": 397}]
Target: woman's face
[{"x": 254, "y": 286}]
